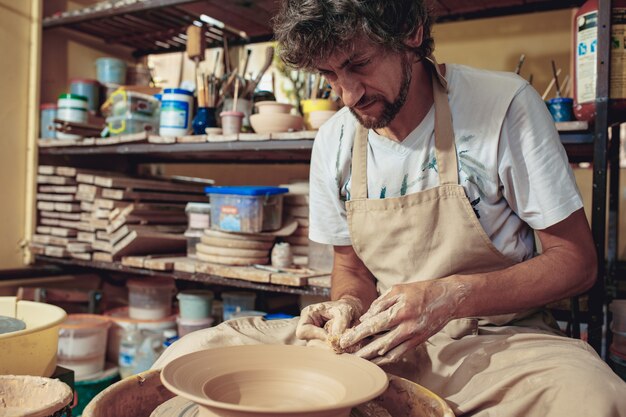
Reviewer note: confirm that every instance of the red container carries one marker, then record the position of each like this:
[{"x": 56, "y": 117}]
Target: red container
[{"x": 584, "y": 53}]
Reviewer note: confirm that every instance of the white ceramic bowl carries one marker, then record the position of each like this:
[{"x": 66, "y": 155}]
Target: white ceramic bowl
[
  {"x": 275, "y": 122},
  {"x": 318, "y": 117},
  {"x": 264, "y": 107},
  {"x": 270, "y": 380}
]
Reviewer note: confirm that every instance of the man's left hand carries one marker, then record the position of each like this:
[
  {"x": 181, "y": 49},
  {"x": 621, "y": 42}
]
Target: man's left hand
[{"x": 403, "y": 317}]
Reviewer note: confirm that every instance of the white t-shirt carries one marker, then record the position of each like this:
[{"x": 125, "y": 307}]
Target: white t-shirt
[{"x": 512, "y": 164}]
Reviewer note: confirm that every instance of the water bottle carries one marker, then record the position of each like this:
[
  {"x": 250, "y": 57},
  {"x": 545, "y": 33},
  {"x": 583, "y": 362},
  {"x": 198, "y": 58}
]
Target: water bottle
[{"x": 129, "y": 349}]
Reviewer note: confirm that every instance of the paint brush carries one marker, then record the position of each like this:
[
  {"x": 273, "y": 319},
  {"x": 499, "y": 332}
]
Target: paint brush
[
  {"x": 556, "y": 80},
  {"x": 520, "y": 63},
  {"x": 545, "y": 93}
]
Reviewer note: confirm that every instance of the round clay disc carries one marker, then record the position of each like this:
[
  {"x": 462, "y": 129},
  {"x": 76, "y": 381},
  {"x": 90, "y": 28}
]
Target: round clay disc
[
  {"x": 235, "y": 243},
  {"x": 233, "y": 252},
  {"x": 239, "y": 236},
  {"x": 10, "y": 324},
  {"x": 230, "y": 260}
]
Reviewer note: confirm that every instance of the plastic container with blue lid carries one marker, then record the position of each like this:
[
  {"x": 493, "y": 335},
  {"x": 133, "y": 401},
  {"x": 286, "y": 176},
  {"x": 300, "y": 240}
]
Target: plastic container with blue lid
[{"x": 246, "y": 209}]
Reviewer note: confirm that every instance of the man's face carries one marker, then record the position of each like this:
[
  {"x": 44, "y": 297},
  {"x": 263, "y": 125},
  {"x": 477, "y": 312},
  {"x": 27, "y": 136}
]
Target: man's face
[{"x": 372, "y": 82}]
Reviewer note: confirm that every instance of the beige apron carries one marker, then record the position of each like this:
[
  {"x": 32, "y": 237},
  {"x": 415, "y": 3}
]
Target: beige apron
[{"x": 479, "y": 368}]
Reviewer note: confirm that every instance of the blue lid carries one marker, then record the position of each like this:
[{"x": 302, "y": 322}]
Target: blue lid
[
  {"x": 246, "y": 190},
  {"x": 177, "y": 91},
  {"x": 158, "y": 96}
]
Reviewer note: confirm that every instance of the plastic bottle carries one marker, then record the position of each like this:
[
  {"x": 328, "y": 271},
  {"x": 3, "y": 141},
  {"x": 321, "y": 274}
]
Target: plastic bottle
[
  {"x": 585, "y": 41},
  {"x": 129, "y": 348}
]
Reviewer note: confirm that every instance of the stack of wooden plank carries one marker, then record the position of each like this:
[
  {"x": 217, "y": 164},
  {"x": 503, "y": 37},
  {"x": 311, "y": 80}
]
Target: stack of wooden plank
[
  {"x": 59, "y": 214},
  {"x": 112, "y": 215}
]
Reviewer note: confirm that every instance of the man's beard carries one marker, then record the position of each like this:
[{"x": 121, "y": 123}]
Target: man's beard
[{"x": 390, "y": 110}]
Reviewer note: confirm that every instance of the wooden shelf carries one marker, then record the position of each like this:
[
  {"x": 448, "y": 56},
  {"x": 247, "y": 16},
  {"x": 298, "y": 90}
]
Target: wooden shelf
[
  {"x": 156, "y": 26},
  {"x": 203, "y": 278},
  {"x": 579, "y": 146},
  {"x": 274, "y": 151}
]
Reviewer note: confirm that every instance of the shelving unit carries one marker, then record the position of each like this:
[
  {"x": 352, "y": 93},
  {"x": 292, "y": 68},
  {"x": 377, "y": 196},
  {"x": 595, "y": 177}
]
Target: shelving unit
[{"x": 134, "y": 25}]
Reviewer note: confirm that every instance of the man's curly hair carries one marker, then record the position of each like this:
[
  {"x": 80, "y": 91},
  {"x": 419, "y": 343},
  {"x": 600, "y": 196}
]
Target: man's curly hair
[{"x": 308, "y": 31}]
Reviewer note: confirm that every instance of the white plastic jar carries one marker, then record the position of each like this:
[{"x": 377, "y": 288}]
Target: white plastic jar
[
  {"x": 71, "y": 108},
  {"x": 176, "y": 112}
]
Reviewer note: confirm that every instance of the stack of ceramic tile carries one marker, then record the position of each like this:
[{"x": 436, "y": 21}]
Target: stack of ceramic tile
[
  {"x": 296, "y": 205},
  {"x": 234, "y": 248},
  {"x": 112, "y": 215}
]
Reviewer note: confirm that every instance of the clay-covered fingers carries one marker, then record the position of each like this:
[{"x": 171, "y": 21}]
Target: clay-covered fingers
[{"x": 311, "y": 324}]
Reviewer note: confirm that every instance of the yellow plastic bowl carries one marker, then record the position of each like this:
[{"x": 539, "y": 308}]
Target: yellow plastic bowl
[
  {"x": 32, "y": 351},
  {"x": 312, "y": 105}
]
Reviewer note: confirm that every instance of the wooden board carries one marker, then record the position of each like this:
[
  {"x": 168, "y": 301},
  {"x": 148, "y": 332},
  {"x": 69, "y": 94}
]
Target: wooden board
[
  {"x": 63, "y": 232},
  {"x": 162, "y": 264},
  {"x": 231, "y": 260},
  {"x": 164, "y": 140},
  {"x": 143, "y": 243},
  {"x": 192, "y": 139},
  {"x": 79, "y": 247},
  {"x": 85, "y": 256},
  {"x": 235, "y": 272},
  {"x": 55, "y": 197},
  {"x": 186, "y": 265},
  {"x": 45, "y": 169},
  {"x": 58, "y": 215},
  {"x": 102, "y": 257},
  {"x": 128, "y": 183},
  {"x": 118, "y": 194},
  {"x": 46, "y": 221},
  {"x": 65, "y": 171},
  {"x": 292, "y": 280},
  {"x": 58, "y": 189},
  {"x": 51, "y": 240},
  {"x": 298, "y": 135},
  {"x": 56, "y": 252},
  {"x": 322, "y": 281},
  {"x": 55, "y": 180},
  {"x": 87, "y": 237}
]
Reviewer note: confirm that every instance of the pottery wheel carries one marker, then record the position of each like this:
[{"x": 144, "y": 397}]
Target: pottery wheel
[
  {"x": 10, "y": 325},
  {"x": 182, "y": 407}
]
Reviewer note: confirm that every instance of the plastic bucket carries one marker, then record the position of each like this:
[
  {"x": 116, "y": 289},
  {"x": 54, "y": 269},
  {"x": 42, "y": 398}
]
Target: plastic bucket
[
  {"x": 111, "y": 70},
  {"x": 195, "y": 304},
  {"x": 235, "y": 302},
  {"x": 150, "y": 299},
  {"x": 82, "y": 343},
  {"x": 87, "y": 88},
  {"x": 121, "y": 321},
  {"x": 32, "y": 351}
]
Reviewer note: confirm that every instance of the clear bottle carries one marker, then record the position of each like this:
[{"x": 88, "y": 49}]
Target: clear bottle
[{"x": 129, "y": 349}]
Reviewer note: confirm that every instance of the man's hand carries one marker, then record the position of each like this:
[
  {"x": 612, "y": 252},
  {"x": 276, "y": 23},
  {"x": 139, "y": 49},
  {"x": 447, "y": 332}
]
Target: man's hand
[
  {"x": 328, "y": 320},
  {"x": 403, "y": 317}
]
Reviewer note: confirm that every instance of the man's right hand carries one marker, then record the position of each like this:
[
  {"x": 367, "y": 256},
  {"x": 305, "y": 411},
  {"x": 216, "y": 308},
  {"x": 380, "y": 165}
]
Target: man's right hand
[{"x": 328, "y": 320}]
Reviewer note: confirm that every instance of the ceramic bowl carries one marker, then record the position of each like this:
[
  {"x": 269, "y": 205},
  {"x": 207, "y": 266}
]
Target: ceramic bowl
[
  {"x": 264, "y": 107},
  {"x": 270, "y": 380},
  {"x": 318, "y": 117},
  {"x": 275, "y": 122}
]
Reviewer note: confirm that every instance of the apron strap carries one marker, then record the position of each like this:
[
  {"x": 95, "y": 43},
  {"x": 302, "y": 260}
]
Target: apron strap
[{"x": 445, "y": 148}]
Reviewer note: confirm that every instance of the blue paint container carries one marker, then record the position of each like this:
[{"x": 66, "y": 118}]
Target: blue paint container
[
  {"x": 195, "y": 304},
  {"x": 561, "y": 109},
  {"x": 111, "y": 70},
  {"x": 48, "y": 112},
  {"x": 87, "y": 88}
]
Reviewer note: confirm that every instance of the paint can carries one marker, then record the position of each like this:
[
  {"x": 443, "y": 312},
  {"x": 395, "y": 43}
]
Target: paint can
[
  {"x": 87, "y": 88},
  {"x": 111, "y": 70},
  {"x": 71, "y": 108},
  {"x": 48, "y": 112},
  {"x": 176, "y": 109},
  {"x": 561, "y": 109}
]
